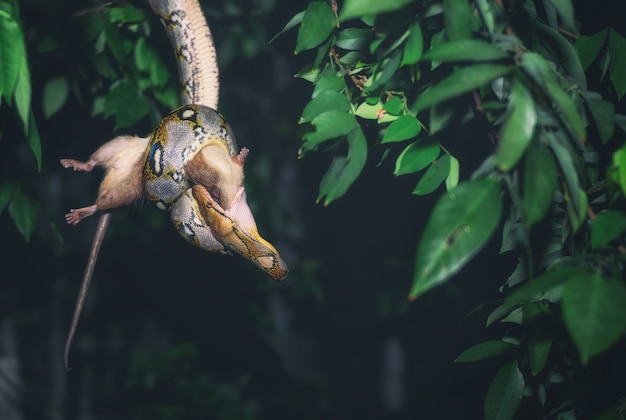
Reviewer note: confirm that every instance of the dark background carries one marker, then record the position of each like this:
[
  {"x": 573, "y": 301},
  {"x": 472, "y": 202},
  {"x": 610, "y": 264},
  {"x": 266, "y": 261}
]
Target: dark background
[{"x": 171, "y": 332}]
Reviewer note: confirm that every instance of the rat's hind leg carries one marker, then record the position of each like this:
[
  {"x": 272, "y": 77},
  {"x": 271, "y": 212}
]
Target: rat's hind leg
[
  {"x": 76, "y": 215},
  {"x": 77, "y": 165}
]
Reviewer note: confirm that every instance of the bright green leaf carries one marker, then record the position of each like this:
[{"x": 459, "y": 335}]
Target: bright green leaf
[
  {"x": 328, "y": 82},
  {"x": 452, "y": 180},
  {"x": 23, "y": 94},
  {"x": 461, "y": 81},
  {"x": 361, "y": 8},
  {"x": 327, "y": 101},
  {"x": 328, "y": 125},
  {"x": 617, "y": 46},
  {"x": 369, "y": 111},
  {"x": 394, "y": 105},
  {"x": 594, "y": 311},
  {"x": 55, "y": 93},
  {"x": 617, "y": 172},
  {"x": 414, "y": 45},
  {"x": 404, "y": 128},
  {"x": 416, "y": 156},
  {"x": 607, "y": 226},
  {"x": 344, "y": 170},
  {"x": 588, "y": 47},
  {"x": 465, "y": 50},
  {"x": 504, "y": 395},
  {"x": 436, "y": 173},
  {"x": 12, "y": 51},
  {"x": 459, "y": 226},
  {"x": 318, "y": 23},
  {"x": 518, "y": 129},
  {"x": 485, "y": 350},
  {"x": 24, "y": 211},
  {"x": 540, "y": 182}
]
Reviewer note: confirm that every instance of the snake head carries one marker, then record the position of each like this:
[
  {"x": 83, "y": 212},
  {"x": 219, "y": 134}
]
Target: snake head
[{"x": 236, "y": 230}]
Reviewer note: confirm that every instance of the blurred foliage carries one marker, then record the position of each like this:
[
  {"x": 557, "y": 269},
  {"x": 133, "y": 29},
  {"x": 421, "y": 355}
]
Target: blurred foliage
[{"x": 499, "y": 124}]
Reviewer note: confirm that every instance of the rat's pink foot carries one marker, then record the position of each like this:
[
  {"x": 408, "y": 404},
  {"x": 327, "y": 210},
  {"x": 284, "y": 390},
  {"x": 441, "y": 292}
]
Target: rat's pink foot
[
  {"x": 241, "y": 157},
  {"x": 77, "y": 165},
  {"x": 76, "y": 215}
]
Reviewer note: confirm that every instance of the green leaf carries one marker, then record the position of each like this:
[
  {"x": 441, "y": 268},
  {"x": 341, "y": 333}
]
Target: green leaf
[
  {"x": 404, "y": 128},
  {"x": 459, "y": 226},
  {"x": 414, "y": 45},
  {"x": 24, "y": 211},
  {"x": 327, "y": 101},
  {"x": 361, "y": 8},
  {"x": 603, "y": 113},
  {"x": 354, "y": 39},
  {"x": 461, "y": 81},
  {"x": 588, "y": 47},
  {"x": 534, "y": 289},
  {"x": 457, "y": 17},
  {"x": 504, "y": 395},
  {"x": 7, "y": 188},
  {"x": 594, "y": 311},
  {"x": 617, "y": 46},
  {"x": 607, "y": 226},
  {"x": 296, "y": 20},
  {"x": 389, "y": 67},
  {"x": 565, "y": 10},
  {"x": 23, "y": 94},
  {"x": 126, "y": 14},
  {"x": 519, "y": 128},
  {"x": 436, "y": 173},
  {"x": 485, "y": 350},
  {"x": 12, "y": 52},
  {"x": 344, "y": 170},
  {"x": 369, "y": 111},
  {"x": 566, "y": 107},
  {"x": 55, "y": 93},
  {"x": 32, "y": 138},
  {"x": 416, "y": 156},
  {"x": 539, "y": 336},
  {"x": 540, "y": 182},
  {"x": 394, "y": 105},
  {"x": 126, "y": 103},
  {"x": 563, "y": 53},
  {"x": 617, "y": 172},
  {"x": 452, "y": 180},
  {"x": 318, "y": 23},
  {"x": 328, "y": 82},
  {"x": 328, "y": 125},
  {"x": 465, "y": 50}
]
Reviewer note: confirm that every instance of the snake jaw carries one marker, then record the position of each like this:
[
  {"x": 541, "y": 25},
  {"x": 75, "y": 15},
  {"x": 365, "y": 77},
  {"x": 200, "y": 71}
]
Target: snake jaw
[{"x": 236, "y": 229}]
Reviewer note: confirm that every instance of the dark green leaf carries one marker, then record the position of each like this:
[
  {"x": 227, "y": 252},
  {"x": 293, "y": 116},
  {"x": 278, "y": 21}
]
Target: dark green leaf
[
  {"x": 564, "y": 53},
  {"x": 485, "y": 350},
  {"x": 354, "y": 38},
  {"x": 565, "y": 10},
  {"x": 588, "y": 47},
  {"x": 539, "y": 337},
  {"x": 12, "y": 52},
  {"x": 465, "y": 50},
  {"x": 344, "y": 170},
  {"x": 518, "y": 129},
  {"x": 617, "y": 172},
  {"x": 594, "y": 311},
  {"x": 461, "y": 81},
  {"x": 460, "y": 224},
  {"x": 296, "y": 20},
  {"x": 504, "y": 395},
  {"x": 318, "y": 23},
  {"x": 617, "y": 46},
  {"x": 126, "y": 103},
  {"x": 414, "y": 45},
  {"x": 327, "y": 101},
  {"x": 389, "y": 67},
  {"x": 23, "y": 94},
  {"x": 540, "y": 182},
  {"x": 328, "y": 82},
  {"x": 7, "y": 188},
  {"x": 361, "y": 8},
  {"x": 607, "y": 226},
  {"x": 32, "y": 138},
  {"x": 24, "y": 211},
  {"x": 404, "y": 128},
  {"x": 416, "y": 156},
  {"x": 119, "y": 46},
  {"x": 436, "y": 173},
  {"x": 328, "y": 125},
  {"x": 55, "y": 93},
  {"x": 457, "y": 17},
  {"x": 567, "y": 107},
  {"x": 603, "y": 113}
]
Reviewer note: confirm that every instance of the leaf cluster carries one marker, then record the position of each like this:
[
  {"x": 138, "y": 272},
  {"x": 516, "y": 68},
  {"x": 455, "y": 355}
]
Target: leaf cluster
[{"x": 437, "y": 83}]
